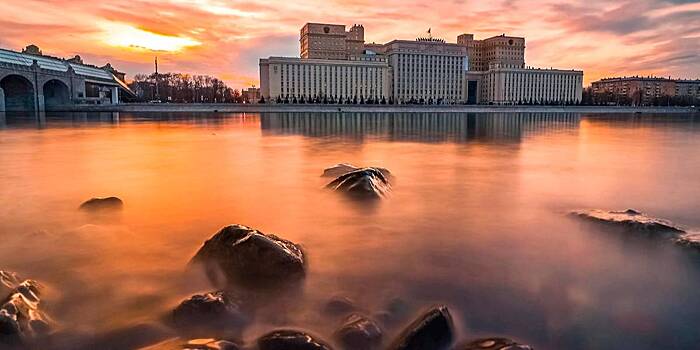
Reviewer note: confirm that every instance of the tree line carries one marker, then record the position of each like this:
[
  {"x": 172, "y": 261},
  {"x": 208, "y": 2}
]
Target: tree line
[{"x": 183, "y": 88}]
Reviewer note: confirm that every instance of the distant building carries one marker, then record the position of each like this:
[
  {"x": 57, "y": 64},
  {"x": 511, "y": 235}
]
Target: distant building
[
  {"x": 251, "y": 95},
  {"x": 338, "y": 63},
  {"x": 644, "y": 90}
]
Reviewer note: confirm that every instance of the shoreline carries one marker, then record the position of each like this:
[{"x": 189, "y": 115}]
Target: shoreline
[{"x": 276, "y": 108}]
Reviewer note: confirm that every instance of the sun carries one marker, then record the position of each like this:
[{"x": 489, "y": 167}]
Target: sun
[{"x": 124, "y": 35}]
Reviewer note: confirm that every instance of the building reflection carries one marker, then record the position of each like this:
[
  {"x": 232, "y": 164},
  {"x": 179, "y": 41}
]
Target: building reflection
[{"x": 419, "y": 127}]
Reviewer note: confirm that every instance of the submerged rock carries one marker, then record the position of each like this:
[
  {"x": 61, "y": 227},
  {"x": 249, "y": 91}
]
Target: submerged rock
[
  {"x": 21, "y": 319},
  {"x": 359, "y": 333},
  {"x": 101, "y": 204},
  {"x": 249, "y": 257},
  {"x": 636, "y": 222},
  {"x": 339, "y": 305},
  {"x": 216, "y": 311},
  {"x": 631, "y": 220},
  {"x": 362, "y": 183},
  {"x": 494, "y": 344},
  {"x": 286, "y": 339},
  {"x": 344, "y": 168},
  {"x": 433, "y": 330}
]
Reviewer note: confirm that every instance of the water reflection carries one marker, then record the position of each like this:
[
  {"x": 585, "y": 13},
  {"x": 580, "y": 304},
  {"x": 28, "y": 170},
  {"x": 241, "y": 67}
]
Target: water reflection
[{"x": 419, "y": 127}]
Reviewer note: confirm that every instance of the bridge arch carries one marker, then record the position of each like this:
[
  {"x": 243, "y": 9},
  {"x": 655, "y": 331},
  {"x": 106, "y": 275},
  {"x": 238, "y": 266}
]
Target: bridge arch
[
  {"x": 18, "y": 93},
  {"x": 56, "y": 93}
]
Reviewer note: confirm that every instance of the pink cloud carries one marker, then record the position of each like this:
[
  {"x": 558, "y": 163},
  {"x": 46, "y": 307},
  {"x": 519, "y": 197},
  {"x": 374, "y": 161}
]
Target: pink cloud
[{"x": 647, "y": 36}]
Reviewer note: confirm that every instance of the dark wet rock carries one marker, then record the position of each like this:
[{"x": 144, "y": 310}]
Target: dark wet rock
[
  {"x": 101, "y": 204},
  {"x": 217, "y": 311},
  {"x": 359, "y": 333},
  {"x": 339, "y": 305},
  {"x": 433, "y": 330},
  {"x": 195, "y": 344},
  {"x": 287, "y": 339},
  {"x": 21, "y": 319},
  {"x": 249, "y": 257},
  {"x": 362, "y": 183},
  {"x": 344, "y": 168},
  {"x": 632, "y": 220},
  {"x": 338, "y": 170},
  {"x": 494, "y": 344}
]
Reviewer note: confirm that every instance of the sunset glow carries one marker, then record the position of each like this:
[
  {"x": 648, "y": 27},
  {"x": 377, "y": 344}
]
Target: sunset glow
[
  {"x": 226, "y": 38},
  {"x": 126, "y": 36}
]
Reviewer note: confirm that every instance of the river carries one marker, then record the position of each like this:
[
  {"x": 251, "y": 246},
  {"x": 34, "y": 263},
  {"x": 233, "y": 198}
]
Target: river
[{"x": 477, "y": 218}]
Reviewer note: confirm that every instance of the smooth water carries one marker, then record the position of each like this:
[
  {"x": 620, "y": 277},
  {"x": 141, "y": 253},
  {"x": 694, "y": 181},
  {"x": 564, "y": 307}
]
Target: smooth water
[{"x": 476, "y": 220}]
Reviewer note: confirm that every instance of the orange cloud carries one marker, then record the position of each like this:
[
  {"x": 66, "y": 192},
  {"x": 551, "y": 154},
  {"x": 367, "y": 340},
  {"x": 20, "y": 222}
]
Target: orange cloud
[{"x": 225, "y": 38}]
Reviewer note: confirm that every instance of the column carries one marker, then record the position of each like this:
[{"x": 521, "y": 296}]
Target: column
[
  {"x": 115, "y": 95},
  {"x": 2, "y": 100}
]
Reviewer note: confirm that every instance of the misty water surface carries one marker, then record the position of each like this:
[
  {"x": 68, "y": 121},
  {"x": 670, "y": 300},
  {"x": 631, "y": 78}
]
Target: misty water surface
[{"x": 476, "y": 220}]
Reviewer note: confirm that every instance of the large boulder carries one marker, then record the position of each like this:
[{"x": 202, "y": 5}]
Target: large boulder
[
  {"x": 494, "y": 344},
  {"x": 215, "y": 313},
  {"x": 362, "y": 183},
  {"x": 21, "y": 319},
  {"x": 286, "y": 339},
  {"x": 344, "y": 168},
  {"x": 249, "y": 257},
  {"x": 359, "y": 333},
  {"x": 635, "y": 222},
  {"x": 102, "y": 204},
  {"x": 433, "y": 330}
]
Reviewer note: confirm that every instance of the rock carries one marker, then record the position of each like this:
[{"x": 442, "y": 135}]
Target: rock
[
  {"x": 432, "y": 330},
  {"x": 216, "y": 311},
  {"x": 359, "y": 333},
  {"x": 286, "y": 339},
  {"x": 21, "y": 319},
  {"x": 194, "y": 344},
  {"x": 344, "y": 168},
  {"x": 249, "y": 257},
  {"x": 494, "y": 344},
  {"x": 102, "y": 204},
  {"x": 339, "y": 305},
  {"x": 632, "y": 220},
  {"x": 362, "y": 183}
]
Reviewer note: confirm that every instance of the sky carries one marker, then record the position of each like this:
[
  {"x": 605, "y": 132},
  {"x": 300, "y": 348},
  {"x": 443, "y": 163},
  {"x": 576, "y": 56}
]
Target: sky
[{"x": 225, "y": 38}]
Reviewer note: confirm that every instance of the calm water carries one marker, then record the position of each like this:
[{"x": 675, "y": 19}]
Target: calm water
[{"x": 477, "y": 218}]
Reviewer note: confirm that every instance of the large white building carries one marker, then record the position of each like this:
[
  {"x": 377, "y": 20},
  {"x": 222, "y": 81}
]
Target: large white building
[
  {"x": 287, "y": 78},
  {"x": 513, "y": 85},
  {"x": 426, "y": 70},
  {"x": 337, "y": 66}
]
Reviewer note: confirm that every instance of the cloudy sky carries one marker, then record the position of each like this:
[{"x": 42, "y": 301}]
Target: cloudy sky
[{"x": 225, "y": 38}]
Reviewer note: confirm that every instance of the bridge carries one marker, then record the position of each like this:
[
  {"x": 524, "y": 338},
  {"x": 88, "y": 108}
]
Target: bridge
[{"x": 32, "y": 82}]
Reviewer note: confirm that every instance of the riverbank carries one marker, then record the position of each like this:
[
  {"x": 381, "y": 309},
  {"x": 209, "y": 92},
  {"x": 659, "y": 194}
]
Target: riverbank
[{"x": 276, "y": 108}]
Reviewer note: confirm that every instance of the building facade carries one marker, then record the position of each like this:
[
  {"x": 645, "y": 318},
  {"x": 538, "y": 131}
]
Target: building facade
[
  {"x": 338, "y": 63},
  {"x": 644, "y": 90},
  {"x": 426, "y": 71},
  {"x": 331, "y": 41},
  {"x": 510, "y": 85},
  {"x": 289, "y": 78},
  {"x": 501, "y": 50}
]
